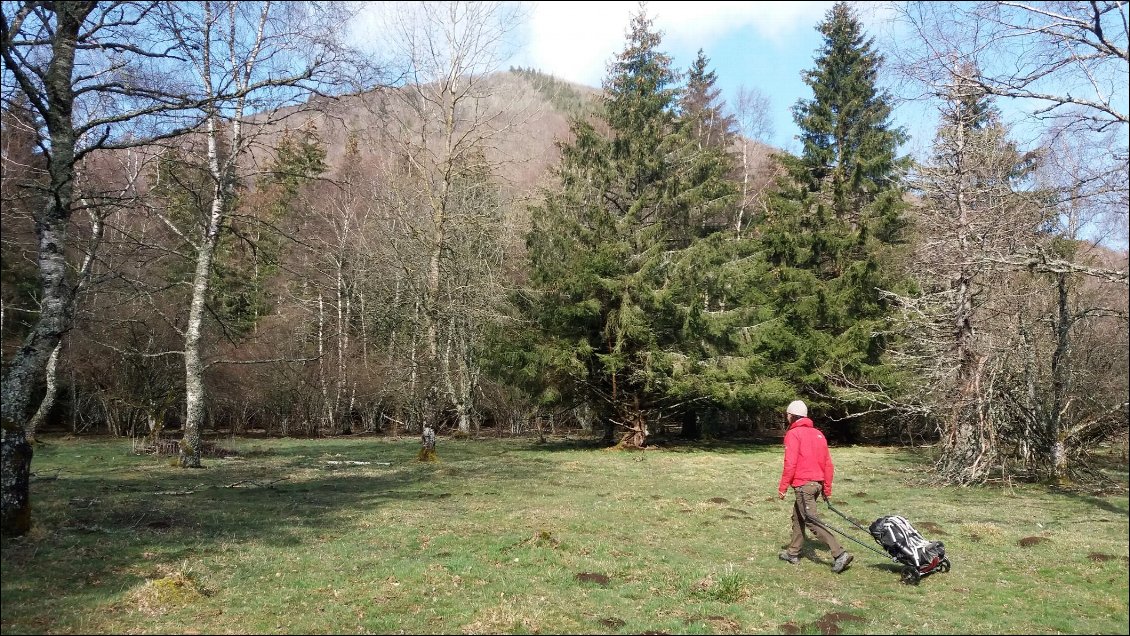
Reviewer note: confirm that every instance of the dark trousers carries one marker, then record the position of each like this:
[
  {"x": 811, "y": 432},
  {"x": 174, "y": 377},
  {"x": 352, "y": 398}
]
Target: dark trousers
[{"x": 804, "y": 513}]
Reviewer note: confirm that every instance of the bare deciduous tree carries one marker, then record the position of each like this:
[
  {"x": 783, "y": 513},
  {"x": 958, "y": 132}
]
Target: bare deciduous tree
[
  {"x": 1016, "y": 391},
  {"x": 756, "y": 127},
  {"x": 1067, "y": 69},
  {"x": 89, "y": 73},
  {"x": 445, "y": 188}
]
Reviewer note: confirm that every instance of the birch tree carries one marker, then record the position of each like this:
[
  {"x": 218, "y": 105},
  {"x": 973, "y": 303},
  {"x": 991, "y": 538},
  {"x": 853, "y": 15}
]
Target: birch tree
[
  {"x": 89, "y": 73},
  {"x": 245, "y": 58}
]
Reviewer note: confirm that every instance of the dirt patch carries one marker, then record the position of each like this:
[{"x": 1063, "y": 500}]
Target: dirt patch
[
  {"x": 612, "y": 623},
  {"x": 1028, "y": 542},
  {"x": 1099, "y": 557},
  {"x": 870, "y": 501},
  {"x": 830, "y": 622},
  {"x": 738, "y": 511},
  {"x": 718, "y": 500},
  {"x": 159, "y": 525},
  {"x": 721, "y": 624},
  {"x": 826, "y": 624},
  {"x": 592, "y": 577},
  {"x": 932, "y": 528},
  {"x": 860, "y": 494}
]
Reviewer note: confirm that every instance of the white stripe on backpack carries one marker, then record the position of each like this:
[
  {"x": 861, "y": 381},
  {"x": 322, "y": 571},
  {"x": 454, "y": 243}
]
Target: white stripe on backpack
[{"x": 907, "y": 538}]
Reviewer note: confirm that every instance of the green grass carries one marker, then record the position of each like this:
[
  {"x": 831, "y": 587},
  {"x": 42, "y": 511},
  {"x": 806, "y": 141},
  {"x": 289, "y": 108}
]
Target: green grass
[{"x": 493, "y": 538}]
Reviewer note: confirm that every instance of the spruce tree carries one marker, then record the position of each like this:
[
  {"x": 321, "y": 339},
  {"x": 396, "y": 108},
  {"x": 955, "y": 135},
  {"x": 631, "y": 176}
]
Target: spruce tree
[
  {"x": 834, "y": 222},
  {"x": 978, "y": 203},
  {"x": 599, "y": 248},
  {"x": 642, "y": 296},
  {"x": 713, "y": 284},
  {"x": 707, "y": 162}
]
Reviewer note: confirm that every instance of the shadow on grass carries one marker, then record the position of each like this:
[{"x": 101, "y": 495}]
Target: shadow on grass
[
  {"x": 656, "y": 443},
  {"x": 106, "y": 525},
  {"x": 1118, "y": 508}
]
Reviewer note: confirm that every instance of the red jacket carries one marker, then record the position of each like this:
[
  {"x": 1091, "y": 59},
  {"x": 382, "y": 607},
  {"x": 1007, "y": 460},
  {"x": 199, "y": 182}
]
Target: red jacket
[{"x": 806, "y": 457}]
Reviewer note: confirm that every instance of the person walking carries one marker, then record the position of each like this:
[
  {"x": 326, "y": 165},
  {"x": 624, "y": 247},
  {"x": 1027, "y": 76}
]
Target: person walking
[{"x": 808, "y": 470}]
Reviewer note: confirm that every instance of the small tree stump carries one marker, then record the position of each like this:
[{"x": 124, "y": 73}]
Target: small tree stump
[{"x": 428, "y": 445}]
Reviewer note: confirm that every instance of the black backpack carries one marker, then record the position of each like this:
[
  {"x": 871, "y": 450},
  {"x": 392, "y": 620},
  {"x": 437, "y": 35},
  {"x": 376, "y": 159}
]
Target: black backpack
[{"x": 903, "y": 542}]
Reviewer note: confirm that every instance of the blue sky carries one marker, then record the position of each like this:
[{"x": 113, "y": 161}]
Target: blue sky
[{"x": 760, "y": 45}]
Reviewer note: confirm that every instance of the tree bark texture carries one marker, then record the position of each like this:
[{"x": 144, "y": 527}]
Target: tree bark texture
[
  {"x": 193, "y": 364},
  {"x": 428, "y": 445},
  {"x": 57, "y": 297},
  {"x": 15, "y": 474}
]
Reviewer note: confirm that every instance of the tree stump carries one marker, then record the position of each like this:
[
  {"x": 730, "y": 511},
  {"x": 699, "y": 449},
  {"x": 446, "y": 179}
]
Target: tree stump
[{"x": 428, "y": 445}]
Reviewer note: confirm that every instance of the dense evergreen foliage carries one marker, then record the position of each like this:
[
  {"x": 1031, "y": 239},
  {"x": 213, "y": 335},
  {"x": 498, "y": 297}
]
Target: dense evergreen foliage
[
  {"x": 644, "y": 298},
  {"x": 835, "y": 223}
]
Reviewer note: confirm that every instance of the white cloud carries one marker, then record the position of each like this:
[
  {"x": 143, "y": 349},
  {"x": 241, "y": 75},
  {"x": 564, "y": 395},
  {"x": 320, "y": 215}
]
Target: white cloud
[{"x": 575, "y": 40}]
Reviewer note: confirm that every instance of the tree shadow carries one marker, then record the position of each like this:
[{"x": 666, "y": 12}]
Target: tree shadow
[
  {"x": 95, "y": 534},
  {"x": 1119, "y": 507}
]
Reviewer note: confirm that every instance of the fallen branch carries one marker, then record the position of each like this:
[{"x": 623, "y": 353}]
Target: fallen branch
[
  {"x": 180, "y": 492},
  {"x": 394, "y": 420},
  {"x": 256, "y": 483}
]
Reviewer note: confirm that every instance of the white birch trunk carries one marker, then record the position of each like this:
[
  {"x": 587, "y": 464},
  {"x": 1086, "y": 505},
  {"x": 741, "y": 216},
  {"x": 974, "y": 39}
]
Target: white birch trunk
[
  {"x": 48, "y": 398},
  {"x": 194, "y": 390}
]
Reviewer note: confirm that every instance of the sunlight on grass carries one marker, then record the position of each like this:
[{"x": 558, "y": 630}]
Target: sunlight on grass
[{"x": 514, "y": 537}]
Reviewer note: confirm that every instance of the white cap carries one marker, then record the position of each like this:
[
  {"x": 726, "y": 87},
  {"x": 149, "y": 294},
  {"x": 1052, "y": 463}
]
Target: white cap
[{"x": 796, "y": 407}]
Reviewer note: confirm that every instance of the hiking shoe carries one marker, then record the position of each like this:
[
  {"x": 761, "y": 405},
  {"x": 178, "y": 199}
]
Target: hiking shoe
[
  {"x": 842, "y": 562},
  {"x": 785, "y": 556}
]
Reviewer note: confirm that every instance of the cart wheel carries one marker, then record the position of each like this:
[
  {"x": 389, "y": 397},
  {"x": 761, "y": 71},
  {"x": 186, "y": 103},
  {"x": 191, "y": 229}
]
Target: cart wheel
[
  {"x": 944, "y": 566},
  {"x": 910, "y": 575}
]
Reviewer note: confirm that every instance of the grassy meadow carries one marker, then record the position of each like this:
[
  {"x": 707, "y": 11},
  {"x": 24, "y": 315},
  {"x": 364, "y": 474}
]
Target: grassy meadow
[{"x": 511, "y": 536}]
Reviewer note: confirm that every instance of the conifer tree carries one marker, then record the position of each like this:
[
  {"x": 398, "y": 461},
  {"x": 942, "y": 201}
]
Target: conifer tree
[
  {"x": 598, "y": 247},
  {"x": 835, "y": 221},
  {"x": 708, "y": 133},
  {"x": 978, "y": 205},
  {"x": 712, "y": 287},
  {"x": 641, "y": 294}
]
